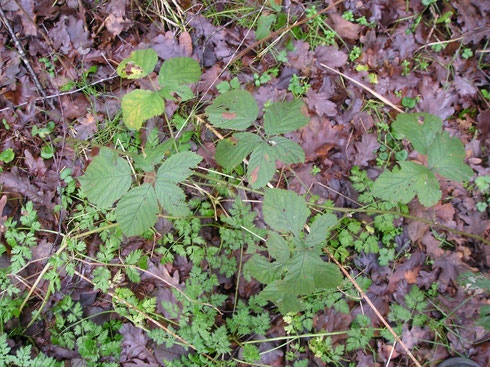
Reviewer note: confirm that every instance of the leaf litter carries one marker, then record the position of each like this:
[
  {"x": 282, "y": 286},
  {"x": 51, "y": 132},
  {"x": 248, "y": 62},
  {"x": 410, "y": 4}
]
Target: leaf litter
[{"x": 341, "y": 133}]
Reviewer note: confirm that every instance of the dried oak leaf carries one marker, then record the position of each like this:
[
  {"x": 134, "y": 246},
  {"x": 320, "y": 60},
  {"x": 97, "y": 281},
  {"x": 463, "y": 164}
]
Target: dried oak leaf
[
  {"x": 116, "y": 22},
  {"x": 366, "y": 149},
  {"x": 320, "y": 103},
  {"x": 301, "y": 58},
  {"x": 344, "y": 28},
  {"x": 36, "y": 166},
  {"x": 133, "y": 348},
  {"x": 14, "y": 181},
  {"x": 451, "y": 267}
]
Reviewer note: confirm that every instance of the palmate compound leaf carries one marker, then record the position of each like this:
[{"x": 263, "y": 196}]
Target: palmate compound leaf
[
  {"x": 419, "y": 128},
  {"x": 137, "y": 210},
  {"x": 139, "y": 105},
  {"x": 446, "y": 157},
  {"x": 235, "y": 109},
  {"x": 412, "y": 179},
  {"x": 284, "y": 117},
  {"x": 261, "y": 166},
  {"x": 107, "y": 178},
  {"x": 229, "y": 155},
  {"x": 138, "y": 65},
  {"x": 284, "y": 211}
]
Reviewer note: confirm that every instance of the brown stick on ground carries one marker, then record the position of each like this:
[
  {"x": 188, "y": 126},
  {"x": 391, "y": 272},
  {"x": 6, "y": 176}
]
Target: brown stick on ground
[{"x": 25, "y": 59}]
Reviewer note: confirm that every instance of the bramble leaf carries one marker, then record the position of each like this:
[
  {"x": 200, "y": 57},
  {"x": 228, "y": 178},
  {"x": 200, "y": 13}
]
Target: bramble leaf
[
  {"x": 235, "y": 109},
  {"x": 446, "y": 157},
  {"x": 152, "y": 156},
  {"x": 261, "y": 166},
  {"x": 264, "y": 26},
  {"x": 178, "y": 167},
  {"x": 139, "y": 105},
  {"x": 107, "y": 178},
  {"x": 138, "y": 65},
  {"x": 284, "y": 117},
  {"x": 171, "y": 198},
  {"x": 287, "y": 151},
  {"x": 137, "y": 210},
  {"x": 412, "y": 179},
  {"x": 319, "y": 229},
  {"x": 419, "y": 128},
  {"x": 284, "y": 211},
  {"x": 278, "y": 247},
  {"x": 263, "y": 270},
  {"x": 177, "y": 71},
  {"x": 229, "y": 155}
]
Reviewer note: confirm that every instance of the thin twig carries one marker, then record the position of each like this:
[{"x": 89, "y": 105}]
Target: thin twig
[
  {"x": 368, "y": 301},
  {"x": 25, "y": 59},
  {"x": 377, "y": 95}
]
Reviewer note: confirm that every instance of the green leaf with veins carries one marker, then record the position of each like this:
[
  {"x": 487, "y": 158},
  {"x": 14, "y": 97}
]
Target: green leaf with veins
[
  {"x": 171, "y": 198},
  {"x": 263, "y": 270},
  {"x": 287, "y": 151},
  {"x": 264, "y": 26},
  {"x": 419, "y": 128},
  {"x": 177, "y": 71},
  {"x": 446, "y": 157},
  {"x": 235, "y": 109},
  {"x": 229, "y": 155},
  {"x": 152, "y": 156},
  {"x": 137, "y": 210},
  {"x": 278, "y": 247},
  {"x": 138, "y": 65},
  {"x": 177, "y": 168},
  {"x": 140, "y": 105},
  {"x": 261, "y": 166},
  {"x": 412, "y": 179},
  {"x": 107, "y": 178},
  {"x": 284, "y": 117},
  {"x": 320, "y": 228},
  {"x": 284, "y": 211}
]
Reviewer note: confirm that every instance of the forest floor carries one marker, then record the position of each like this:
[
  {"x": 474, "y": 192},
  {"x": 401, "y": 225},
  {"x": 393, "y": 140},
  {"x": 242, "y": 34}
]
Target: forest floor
[{"x": 76, "y": 291}]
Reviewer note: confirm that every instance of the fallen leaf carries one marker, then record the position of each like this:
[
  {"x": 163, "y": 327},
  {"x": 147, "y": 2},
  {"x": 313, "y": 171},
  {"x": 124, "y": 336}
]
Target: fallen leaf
[{"x": 366, "y": 149}]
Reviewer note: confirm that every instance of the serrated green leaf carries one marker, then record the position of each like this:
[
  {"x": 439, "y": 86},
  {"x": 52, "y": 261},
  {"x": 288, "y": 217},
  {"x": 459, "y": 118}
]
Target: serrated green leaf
[
  {"x": 107, "y": 178},
  {"x": 261, "y": 166},
  {"x": 287, "y": 151},
  {"x": 446, "y": 157},
  {"x": 235, "y": 109},
  {"x": 137, "y": 210},
  {"x": 177, "y": 168},
  {"x": 419, "y": 128},
  {"x": 263, "y": 270},
  {"x": 138, "y": 65},
  {"x": 171, "y": 198},
  {"x": 278, "y": 247},
  {"x": 152, "y": 156},
  {"x": 403, "y": 185},
  {"x": 320, "y": 228},
  {"x": 284, "y": 301},
  {"x": 139, "y": 105},
  {"x": 229, "y": 155},
  {"x": 178, "y": 71},
  {"x": 284, "y": 210},
  {"x": 284, "y": 117},
  {"x": 307, "y": 272},
  {"x": 264, "y": 26}
]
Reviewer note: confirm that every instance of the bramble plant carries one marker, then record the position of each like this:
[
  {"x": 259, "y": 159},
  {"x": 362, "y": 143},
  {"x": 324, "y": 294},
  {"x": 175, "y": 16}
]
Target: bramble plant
[{"x": 445, "y": 156}]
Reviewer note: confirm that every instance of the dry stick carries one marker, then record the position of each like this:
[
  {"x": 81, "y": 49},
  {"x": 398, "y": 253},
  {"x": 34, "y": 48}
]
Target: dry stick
[
  {"x": 377, "y": 95},
  {"x": 63, "y": 93},
  {"x": 25, "y": 59},
  {"x": 43, "y": 35},
  {"x": 363, "y": 294},
  {"x": 146, "y": 316}
]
